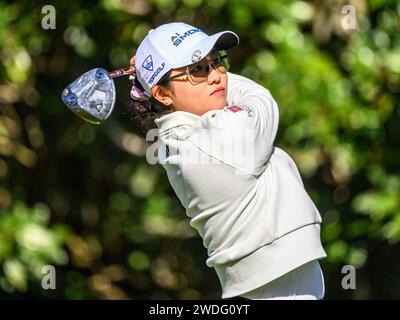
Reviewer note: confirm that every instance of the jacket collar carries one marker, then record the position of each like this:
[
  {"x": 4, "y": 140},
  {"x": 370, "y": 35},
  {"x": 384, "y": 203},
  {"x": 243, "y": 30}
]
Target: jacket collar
[{"x": 175, "y": 119}]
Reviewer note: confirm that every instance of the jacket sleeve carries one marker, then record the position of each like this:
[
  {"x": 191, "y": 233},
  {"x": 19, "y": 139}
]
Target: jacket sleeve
[{"x": 242, "y": 133}]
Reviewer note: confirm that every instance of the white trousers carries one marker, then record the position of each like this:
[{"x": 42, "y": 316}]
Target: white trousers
[{"x": 304, "y": 283}]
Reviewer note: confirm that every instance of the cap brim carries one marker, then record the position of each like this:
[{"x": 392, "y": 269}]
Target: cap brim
[
  {"x": 225, "y": 40},
  {"x": 221, "y": 41}
]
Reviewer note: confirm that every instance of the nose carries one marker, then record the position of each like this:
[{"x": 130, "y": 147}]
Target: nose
[{"x": 213, "y": 76}]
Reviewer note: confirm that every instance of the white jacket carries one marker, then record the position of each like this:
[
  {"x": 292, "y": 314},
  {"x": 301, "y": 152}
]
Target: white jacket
[{"x": 244, "y": 196}]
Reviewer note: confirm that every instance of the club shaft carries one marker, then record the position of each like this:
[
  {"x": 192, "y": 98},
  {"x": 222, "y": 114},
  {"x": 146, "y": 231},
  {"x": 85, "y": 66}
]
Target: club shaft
[{"x": 121, "y": 72}]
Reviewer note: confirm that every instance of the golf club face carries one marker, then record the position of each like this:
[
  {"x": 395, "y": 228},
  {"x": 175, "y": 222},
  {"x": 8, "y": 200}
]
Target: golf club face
[{"x": 91, "y": 96}]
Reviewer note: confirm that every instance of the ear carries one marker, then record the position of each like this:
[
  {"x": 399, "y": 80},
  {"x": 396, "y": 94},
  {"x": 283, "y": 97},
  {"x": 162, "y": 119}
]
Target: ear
[{"x": 163, "y": 95}]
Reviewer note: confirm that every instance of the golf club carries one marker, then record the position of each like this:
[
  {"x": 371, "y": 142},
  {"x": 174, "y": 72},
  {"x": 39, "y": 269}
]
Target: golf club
[{"x": 92, "y": 95}]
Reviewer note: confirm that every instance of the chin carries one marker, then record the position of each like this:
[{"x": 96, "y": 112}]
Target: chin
[
  {"x": 217, "y": 107},
  {"x": 222, "y": 103}
]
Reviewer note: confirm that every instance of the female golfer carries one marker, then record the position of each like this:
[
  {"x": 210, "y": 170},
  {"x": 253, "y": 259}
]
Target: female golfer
[{"x": 244, "y": 196}]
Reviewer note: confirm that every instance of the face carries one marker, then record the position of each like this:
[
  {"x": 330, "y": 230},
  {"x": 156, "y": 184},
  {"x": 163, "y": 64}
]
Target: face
[{"x": 197, "y": 98}]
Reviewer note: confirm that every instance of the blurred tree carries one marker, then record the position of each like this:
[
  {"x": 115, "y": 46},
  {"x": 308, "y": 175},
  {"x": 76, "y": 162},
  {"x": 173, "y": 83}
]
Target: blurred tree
[{"x": 83, "y": 198}]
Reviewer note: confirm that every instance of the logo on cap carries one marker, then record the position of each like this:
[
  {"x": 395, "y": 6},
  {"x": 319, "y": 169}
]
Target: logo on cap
[
  {"x": 148, "y": 63},
  {"x": 175, "y": 36},
  {"x": 155, "y": 74},
  {"x": 178, "y": 39},
  {"x": 196, "y": 56}
]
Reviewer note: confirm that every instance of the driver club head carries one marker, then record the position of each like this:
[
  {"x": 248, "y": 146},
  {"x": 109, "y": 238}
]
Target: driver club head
[{"x": 91, "y": 96}]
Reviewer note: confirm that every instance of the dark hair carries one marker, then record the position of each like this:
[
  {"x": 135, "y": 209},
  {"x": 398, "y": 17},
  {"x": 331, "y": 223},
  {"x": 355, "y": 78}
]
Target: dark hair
[{"x": 145, "y": 112}]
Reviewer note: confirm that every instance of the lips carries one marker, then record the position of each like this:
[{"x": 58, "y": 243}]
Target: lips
[{"x": 218, "y": 91}]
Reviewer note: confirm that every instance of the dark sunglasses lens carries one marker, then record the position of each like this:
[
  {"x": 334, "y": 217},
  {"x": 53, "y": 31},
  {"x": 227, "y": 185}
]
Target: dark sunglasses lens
[
  {"x": 220, "y": 62},
  {"x": 199, "y": 72},
  {"x": 224, "y": 59}
]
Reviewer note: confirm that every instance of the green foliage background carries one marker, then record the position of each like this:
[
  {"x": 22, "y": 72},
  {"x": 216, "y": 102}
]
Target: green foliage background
[{"x": 84, "y": 199}]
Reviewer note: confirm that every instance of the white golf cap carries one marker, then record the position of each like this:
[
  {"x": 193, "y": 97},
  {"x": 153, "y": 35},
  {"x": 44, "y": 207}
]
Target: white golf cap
[{"x": 175, "y": 45}]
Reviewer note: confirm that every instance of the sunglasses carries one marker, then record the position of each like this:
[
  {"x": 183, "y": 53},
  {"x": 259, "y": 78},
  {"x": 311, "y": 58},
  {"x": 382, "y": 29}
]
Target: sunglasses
[{"x": 198, "y": 72}]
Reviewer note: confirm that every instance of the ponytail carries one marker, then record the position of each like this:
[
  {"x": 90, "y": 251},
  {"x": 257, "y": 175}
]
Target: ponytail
[{"x": 145, "y": 109}]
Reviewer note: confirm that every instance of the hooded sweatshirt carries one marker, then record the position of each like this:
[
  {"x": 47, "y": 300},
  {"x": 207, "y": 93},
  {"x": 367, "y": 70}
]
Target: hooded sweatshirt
[{"x": 244, "y": 196}]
